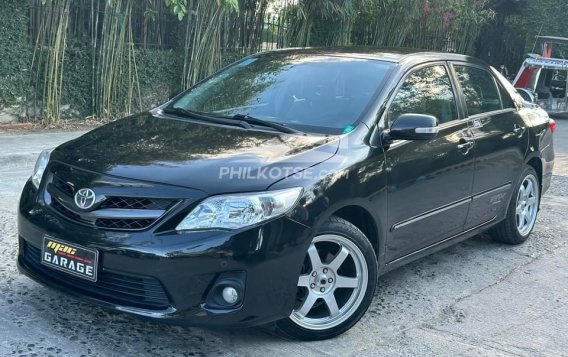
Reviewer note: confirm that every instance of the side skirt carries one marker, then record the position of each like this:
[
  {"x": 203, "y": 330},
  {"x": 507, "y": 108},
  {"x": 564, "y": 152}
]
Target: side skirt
[{"x": 448, "y": 242}]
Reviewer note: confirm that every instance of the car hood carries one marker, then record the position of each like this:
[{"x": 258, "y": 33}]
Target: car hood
[{"x": 211, "y": 158}]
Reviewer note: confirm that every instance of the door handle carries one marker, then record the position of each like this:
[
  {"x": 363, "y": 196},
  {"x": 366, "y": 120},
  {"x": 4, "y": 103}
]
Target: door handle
[
  {"x": 519, "y": 130},
  {"x": 464, "y": 146}
]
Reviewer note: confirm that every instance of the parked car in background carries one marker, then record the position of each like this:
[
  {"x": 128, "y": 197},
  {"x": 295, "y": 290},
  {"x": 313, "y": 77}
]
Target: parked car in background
[{"x": 279, "y": 189}]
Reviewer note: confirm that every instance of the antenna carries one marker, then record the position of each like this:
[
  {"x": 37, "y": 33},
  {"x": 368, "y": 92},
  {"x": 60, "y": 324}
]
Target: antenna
[{"x": 536, "y": 39}]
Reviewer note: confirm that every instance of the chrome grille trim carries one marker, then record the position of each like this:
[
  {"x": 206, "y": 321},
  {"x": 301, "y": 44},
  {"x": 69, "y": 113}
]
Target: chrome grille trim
[
  {"x": 136, "y": 203},
  {"x": 115, "y": 213}
]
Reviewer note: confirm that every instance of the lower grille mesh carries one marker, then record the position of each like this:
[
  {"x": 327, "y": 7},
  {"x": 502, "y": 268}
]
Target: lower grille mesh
[{"x": 127, "y": 290}]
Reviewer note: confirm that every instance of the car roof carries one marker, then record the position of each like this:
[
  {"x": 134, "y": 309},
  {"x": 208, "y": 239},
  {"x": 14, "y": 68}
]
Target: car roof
[{"x": 388, "y": 54}]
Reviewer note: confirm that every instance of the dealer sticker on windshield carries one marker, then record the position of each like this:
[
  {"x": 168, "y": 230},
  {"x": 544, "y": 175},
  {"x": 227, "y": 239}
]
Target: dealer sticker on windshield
[{"x": 69, "y": 258}]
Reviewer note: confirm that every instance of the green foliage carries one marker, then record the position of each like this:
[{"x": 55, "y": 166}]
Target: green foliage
[
  {"x": 111, "y": 77},
  {"x": 229, "y": 57},
  {"x": 544, "y": 17},
  {"x": 15, "y": 51},
  {"x": 116, "y": 81},
  {"x": 203, "y": 50},
  {"x": 158, "y": 73},
  {"x": 177, "y": 7},
  {"x": 230, "y": 5},
  {"x": 322, "y": 22},
  {"x": 450, "y": 25},
  {"x": 49, "y": 56},
  {"x": 77, "y": 83},
  {"x": 123, "y": 56}
]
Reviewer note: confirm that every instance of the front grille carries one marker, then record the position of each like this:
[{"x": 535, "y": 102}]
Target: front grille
[
  {"x": 127, "y": 290},
  {"x": 65, "y": 186},
  {"x": 123, "y": 223},
  {"x": 114, "y": 213}
]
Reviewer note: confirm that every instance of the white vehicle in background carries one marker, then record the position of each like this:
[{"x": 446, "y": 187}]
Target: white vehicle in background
[{"x": 543, "y": 79}]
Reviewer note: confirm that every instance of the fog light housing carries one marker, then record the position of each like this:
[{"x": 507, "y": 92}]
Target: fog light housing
[{"x": 227, "y": 291}]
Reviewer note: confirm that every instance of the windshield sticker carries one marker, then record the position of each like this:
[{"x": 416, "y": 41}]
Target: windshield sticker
[{"x": 348, "y": 129}]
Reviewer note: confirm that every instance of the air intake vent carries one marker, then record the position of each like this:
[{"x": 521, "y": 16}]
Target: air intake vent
[{"x": 128, "y": 290}]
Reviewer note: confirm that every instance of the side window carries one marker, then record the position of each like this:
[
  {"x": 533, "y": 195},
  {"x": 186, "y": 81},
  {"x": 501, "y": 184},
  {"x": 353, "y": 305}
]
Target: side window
[
  {"x": 426, "y": 91},
  {"x": 479, "y": 89}
]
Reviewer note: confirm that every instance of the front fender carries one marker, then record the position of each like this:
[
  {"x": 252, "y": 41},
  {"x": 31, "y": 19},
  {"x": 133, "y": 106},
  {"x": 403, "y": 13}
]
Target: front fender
[{"x": 354, "y": 179}]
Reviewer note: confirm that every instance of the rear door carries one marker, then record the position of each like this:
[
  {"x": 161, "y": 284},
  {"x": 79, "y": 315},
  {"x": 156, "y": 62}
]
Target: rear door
[
  {"x": 429, "y": 182},
  {"x": 501, "y": 141}
]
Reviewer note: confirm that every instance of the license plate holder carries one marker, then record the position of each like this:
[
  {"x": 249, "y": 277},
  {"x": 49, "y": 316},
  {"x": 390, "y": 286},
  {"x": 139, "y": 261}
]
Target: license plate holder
[{"x": 69, "y": 258}]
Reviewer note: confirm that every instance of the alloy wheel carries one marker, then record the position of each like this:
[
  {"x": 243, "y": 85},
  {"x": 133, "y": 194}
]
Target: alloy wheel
[
  {"x": 332, "y": 284},
  {"x": 527, "y": 205}
]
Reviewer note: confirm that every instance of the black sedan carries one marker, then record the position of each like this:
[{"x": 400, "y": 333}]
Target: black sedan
[{"x": 279, "y": 189}]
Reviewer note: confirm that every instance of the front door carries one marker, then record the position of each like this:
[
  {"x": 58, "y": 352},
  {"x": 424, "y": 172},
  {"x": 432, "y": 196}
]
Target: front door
[
  {"x": 429, "y": 182},
  {"x": 501, "y": 142}
]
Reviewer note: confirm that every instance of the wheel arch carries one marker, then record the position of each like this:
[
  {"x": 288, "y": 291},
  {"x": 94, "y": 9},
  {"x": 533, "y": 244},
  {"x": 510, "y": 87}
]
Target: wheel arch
[
  {"x": 536, "y": 163},
  {"x": 361, "y": 218}
]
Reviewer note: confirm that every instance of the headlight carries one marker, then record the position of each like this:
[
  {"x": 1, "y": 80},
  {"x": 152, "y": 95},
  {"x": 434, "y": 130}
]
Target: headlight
[
  {"x": 40, "y": 166},
  {"x": 239, "y": 210}
]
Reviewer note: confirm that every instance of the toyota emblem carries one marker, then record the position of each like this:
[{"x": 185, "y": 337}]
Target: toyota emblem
[{"x": 85, "y": 198}]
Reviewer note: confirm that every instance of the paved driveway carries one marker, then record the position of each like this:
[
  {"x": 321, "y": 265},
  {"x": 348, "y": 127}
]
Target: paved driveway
[
  {"x": 478, "y": 297},
  {"x": 561, "y": 136}
]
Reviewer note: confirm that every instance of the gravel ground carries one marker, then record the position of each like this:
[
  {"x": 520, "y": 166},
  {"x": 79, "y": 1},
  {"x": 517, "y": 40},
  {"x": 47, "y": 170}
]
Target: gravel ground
[{"x": 478, "y": 297}]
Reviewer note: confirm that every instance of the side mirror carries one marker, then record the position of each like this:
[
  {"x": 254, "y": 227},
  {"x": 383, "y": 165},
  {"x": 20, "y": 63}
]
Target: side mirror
[
  {"x": 413, "y": 127},
  {"x": 527, "y": 95}
]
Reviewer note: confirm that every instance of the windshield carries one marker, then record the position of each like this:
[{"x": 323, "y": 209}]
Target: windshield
[{"x": 314, "y": 93}]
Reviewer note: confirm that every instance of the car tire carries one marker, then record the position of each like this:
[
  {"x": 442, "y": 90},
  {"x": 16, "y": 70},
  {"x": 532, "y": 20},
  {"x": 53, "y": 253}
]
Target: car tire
[
  {"x": 336, "y": 284},
  {"x": 522, "y": 211}
]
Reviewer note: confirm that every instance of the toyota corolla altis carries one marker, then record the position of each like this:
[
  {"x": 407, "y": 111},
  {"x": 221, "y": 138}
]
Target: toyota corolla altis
[{"x": 278, "y": 190}]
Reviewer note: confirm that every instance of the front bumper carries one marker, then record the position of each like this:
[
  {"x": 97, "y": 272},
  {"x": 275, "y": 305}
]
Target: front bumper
[{"x": 168, "y": 275}]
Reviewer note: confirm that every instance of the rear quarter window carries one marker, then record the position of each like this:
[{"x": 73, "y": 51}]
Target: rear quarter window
[{"x": 479, "y": 89}]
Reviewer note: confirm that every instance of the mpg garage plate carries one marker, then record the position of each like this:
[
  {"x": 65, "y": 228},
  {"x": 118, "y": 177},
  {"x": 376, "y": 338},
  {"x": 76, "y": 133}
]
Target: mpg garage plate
[{"x": 69, "y": 258}]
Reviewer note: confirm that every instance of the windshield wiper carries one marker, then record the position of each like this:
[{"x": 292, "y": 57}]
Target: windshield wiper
[
  {"x": 242, "y": 120},
  {"x": 269, "y": 124},
  {"x": 203, "y": 117}
]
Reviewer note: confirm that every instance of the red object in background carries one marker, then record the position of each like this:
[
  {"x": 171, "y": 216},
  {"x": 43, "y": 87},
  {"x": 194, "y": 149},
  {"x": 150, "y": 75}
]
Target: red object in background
[
  {"x": 552, "y": 126},
  {"x": 524, "y": 79},
  {"x": 547, "y": 50}
]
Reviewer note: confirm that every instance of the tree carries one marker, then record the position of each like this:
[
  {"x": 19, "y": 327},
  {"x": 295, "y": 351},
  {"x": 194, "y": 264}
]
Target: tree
[{"x": 498, "y": 43}]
